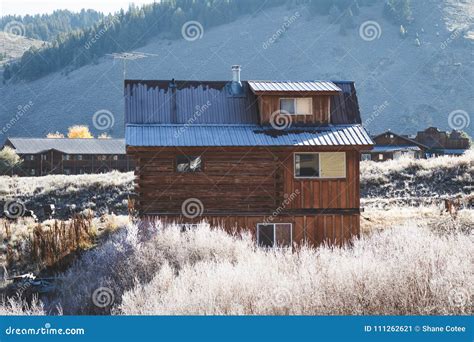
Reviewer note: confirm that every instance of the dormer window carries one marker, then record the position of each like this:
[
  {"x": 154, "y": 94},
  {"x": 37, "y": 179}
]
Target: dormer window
[{"x": 297, "y": 105}]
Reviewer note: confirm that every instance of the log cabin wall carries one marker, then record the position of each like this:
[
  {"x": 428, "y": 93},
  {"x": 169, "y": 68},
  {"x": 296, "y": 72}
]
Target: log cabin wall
[
  {"x": 269, "y": 104},
  {"x": 243, "y": 187}
]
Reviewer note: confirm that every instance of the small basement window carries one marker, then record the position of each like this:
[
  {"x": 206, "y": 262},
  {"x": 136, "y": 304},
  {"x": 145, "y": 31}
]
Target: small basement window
[
  {"x": 297, "y": 106},
  {"x": 188, "y": 163},
  {"x": 320, "y": 165},
  {"x": 274, "y": 235}
]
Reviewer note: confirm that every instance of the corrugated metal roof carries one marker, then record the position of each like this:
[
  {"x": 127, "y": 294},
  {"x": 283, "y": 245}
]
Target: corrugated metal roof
[
  {"x": 244, "y": 135},
  {"x": 69, "y": 146},
  {"x": 181, "y": 102},
  {"x": 292, "y": 86},
  {"x": 395, "y": 148}
]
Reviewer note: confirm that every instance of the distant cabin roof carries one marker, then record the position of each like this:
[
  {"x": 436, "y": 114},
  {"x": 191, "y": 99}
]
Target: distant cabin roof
[
  {"x": 292, "y": 86},
  {"x": 245, "y": 135},
  {"x": 212, "y": 102},
  {"x": 68, "y": 146},
  {"x": 379, "y": 149}
]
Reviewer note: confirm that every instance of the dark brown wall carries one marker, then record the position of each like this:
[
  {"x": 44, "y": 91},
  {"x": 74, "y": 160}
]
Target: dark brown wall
[
  {"x": 243, "y": 187},
  {"x": 255, "y": 181}
]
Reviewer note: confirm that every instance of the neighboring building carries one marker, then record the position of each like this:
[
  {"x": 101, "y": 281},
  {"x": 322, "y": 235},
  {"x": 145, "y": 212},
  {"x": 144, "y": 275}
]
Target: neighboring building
[
  {"x": 443, "y": 143},
  {"x": 210, "y": 150},
  {"x": 45, "y": 156},
  {"x": 389, "y": 145}
]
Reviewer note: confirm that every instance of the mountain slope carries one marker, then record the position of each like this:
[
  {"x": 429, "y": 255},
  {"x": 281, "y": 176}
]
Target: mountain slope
[
  {"x": 401, "y": 85},
  {"x": 13, "y": 47}
]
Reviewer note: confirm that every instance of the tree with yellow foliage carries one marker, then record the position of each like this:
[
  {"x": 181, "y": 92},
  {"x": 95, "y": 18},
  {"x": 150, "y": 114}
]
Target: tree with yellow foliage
[{"x": 79, "y": 132}]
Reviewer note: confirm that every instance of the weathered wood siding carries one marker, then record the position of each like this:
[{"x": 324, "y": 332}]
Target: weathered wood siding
[
  {"x": 240, "y": 188},
  {"x": 243, "y": 181},
  {"x": 269, "y": 104}
]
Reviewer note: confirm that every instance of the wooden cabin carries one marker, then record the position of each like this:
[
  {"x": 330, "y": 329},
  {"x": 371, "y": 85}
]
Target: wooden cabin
[
  {"x": 443, "y": 143},
  {"x": 280, "y": 159},
  {"x": 389, "y": 145},
  {"x": 46, "y": 156}
]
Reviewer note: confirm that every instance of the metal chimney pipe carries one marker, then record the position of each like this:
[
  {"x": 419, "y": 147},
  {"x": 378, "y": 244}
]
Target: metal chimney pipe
[{"x": 236, "y": 73}]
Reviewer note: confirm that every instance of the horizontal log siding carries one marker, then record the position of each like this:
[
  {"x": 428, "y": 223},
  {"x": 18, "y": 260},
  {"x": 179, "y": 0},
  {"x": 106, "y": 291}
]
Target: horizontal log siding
[{"x": 240, "y": 181}]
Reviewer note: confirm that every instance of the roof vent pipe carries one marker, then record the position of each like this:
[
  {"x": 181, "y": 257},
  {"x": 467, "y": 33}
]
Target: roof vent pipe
[
  {"x": 236, "y": 86},
  {"x": 236, "y": 73}
]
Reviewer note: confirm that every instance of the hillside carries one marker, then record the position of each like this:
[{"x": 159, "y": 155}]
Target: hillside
[
  {"x": 400, "y": 85},
  {"x": 13, "y": 48}
]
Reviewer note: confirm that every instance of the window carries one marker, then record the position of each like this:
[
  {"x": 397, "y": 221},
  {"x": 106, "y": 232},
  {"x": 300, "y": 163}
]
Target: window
[
  {"x": 67, "y": 171},
  {"x": 366, "y": 156},
  {"x": 188, "y": 163},
  {"x": 115, "y": 157},
  {"x": 274, "y": 234},
  {"x": 320, "y": 165},
  {"x": 66, "y": 157},
  {"x": 32, "y": 172},
  {"x": 380, "y": 156},
  {"x": 297, "y": 106},
  {"x": 44, "y": 156},
  {"x": 30, "y": 157},
  {"x": 101, "y": 157},
  {"x": 79, "y": 157}
]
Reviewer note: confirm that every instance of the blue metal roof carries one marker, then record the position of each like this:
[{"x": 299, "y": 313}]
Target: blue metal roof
[
  {"x": 244, "y": 135},
  {"x": 293, "y": 86},
  {"x": 378, "y": 148}
]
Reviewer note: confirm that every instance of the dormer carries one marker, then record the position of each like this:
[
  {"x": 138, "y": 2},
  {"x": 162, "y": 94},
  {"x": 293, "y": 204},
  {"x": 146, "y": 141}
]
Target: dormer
[{"x": 306, "y": 102}]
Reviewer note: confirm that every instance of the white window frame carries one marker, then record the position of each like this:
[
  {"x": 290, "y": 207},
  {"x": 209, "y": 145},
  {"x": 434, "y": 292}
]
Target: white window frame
[
  {"x": 296, "y": 102},
  {"x": 274, "y": 233},
  {"x": 319, "y": 164}
]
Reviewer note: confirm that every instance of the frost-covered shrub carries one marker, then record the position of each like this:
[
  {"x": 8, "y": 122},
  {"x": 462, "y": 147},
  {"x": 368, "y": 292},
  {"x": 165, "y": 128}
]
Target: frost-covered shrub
[{"x": 404, "y": 270}]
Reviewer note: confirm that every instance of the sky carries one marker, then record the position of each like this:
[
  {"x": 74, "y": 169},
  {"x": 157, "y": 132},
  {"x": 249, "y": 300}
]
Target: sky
[{"x": 23, "y": 7}]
